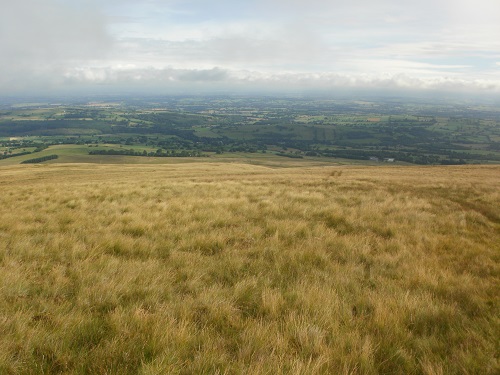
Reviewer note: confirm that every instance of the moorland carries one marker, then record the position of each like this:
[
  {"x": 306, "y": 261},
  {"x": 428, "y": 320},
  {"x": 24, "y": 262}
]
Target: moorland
[
  {"x": 199, "y": 237},
  {"x": 237, "y": 268}
]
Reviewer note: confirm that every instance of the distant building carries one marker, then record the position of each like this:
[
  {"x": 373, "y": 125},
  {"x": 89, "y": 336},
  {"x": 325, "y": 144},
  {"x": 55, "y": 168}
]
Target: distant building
[
  {"x": 373, "y": 158},
  {"x": 389, "y": 160}
]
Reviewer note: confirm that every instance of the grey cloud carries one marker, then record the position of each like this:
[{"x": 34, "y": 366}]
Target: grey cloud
[
  {"x": 207, "y": 75},
  {"x": 39, "y": 39},
  {"x": 145, "y": 76},
  {"x": 49, "y": 30}
]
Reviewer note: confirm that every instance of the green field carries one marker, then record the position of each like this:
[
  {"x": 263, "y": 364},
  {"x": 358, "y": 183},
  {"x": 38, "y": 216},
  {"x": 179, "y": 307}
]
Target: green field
[
  {"x": 80, "y": 154},
  {"x": 414, "y": 133}
]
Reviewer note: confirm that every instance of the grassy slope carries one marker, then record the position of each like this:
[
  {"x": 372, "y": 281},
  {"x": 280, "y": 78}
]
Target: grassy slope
[
  {"x": 80, "y": 154},
  {"x": 232, "y": 268}
]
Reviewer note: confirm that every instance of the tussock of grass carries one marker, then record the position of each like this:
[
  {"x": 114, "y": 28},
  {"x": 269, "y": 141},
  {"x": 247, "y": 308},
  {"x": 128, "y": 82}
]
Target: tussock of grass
[{"x": 242, "y": 269}]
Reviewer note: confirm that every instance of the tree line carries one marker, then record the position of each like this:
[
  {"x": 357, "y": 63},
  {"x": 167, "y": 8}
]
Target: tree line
[{"x": 39, "y": 160}]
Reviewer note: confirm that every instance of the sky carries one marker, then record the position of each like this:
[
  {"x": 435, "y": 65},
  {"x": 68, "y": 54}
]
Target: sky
[{"x": 189, "y": 46}]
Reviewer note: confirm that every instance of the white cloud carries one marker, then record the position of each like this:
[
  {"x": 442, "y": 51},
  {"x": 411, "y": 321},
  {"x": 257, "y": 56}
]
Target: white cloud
[
  {"x": 244, "y": 79},
  {"x": 429, "y": 44}
]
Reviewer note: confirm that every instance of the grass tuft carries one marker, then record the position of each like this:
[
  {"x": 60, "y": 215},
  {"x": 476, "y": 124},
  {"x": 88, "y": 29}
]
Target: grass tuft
[{"x": 229, "y": 269}]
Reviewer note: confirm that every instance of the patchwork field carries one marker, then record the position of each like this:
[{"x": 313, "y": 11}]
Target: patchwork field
[{"x": 229, "y": 268}]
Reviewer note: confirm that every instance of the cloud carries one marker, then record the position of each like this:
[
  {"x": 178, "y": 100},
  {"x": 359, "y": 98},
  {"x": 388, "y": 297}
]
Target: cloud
[
  {"x": 429, "y": 44},
  {"x": 237, "y": 80},
  {"x": 371, "y": 81},
  {"x": 38, "y": 39},
  {"x": 147, "y": 77}
]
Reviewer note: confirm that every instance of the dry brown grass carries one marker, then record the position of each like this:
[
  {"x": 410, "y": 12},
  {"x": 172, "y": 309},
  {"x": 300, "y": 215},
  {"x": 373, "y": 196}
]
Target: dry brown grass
[{"x": 233, "y": 268}]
